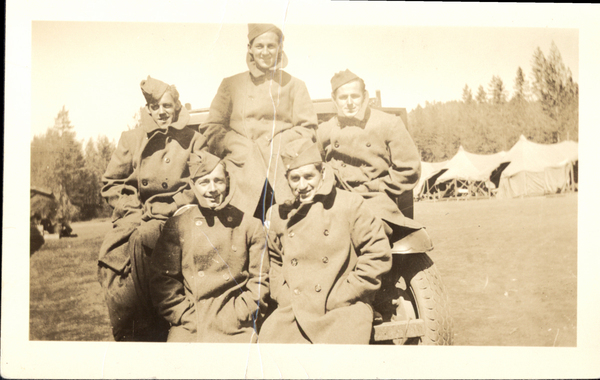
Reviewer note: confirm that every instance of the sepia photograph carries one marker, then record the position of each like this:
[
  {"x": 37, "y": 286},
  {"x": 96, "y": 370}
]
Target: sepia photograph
[{"x": 258, "y": 192}]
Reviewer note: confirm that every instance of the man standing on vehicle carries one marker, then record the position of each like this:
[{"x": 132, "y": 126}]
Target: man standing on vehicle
[
  {"x": 328, "y": 254},
  {"x": 370, "y": 151}
]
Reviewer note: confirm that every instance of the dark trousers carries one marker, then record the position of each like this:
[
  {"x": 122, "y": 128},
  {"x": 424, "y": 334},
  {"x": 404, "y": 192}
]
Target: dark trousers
[{"x": 132, "y": 316}]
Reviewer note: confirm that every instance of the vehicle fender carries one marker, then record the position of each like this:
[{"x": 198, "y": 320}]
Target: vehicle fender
[{"x": 415, "y": 242}]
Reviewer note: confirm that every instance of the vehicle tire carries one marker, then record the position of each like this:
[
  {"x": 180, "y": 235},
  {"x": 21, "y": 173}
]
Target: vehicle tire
[
  {"x": 413, "y": 289},
  {"x": 429, "y": 299}
]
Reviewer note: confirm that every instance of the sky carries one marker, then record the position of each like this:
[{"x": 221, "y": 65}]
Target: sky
[{"x": 94, "y": 68}]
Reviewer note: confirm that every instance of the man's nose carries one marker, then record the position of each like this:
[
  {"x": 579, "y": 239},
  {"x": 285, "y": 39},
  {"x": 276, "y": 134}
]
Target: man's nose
[
  {"x": 302, "y": 184},
  {"x": 162, "y": 110},
  {"x": 211, "y": 187}
]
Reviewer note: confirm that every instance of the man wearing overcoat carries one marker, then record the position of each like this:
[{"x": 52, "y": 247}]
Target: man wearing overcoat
[
  {"x": 328, "y": 254},
  {"x": 256, "y": 113},
  {"x": 370, "y": 151},
  {"x": 145, "y": 182},
  {"x": 210, "y": 265}
]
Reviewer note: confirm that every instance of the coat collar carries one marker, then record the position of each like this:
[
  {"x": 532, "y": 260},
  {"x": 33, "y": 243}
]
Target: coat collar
[{"x": 149, "y": 124}]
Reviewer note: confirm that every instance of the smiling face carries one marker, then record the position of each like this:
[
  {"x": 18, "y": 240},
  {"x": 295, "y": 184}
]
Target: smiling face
[
  {"x": 349, "y": 98},
  {"x": 163, "y": 111},
  {"x": 265, "y": 49},
  {"x": 305, "y": 181},
  {"x": 212, "y": 187}
]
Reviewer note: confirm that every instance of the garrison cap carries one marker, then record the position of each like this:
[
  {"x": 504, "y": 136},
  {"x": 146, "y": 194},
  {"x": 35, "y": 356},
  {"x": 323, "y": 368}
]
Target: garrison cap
[
  {"x": 153, "y": 89},
  {"x": 202, "y": 163},
  {"x": 342, "y": 78},
  {"x": 255, "y": 30},
  {"x": 300, "y": 152}
]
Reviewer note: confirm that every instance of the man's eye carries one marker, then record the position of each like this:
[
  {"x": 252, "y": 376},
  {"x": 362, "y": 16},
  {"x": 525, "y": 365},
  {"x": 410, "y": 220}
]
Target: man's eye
[
  {"x": 154, "y": 107},
  {"x": 354, "y": 96}
]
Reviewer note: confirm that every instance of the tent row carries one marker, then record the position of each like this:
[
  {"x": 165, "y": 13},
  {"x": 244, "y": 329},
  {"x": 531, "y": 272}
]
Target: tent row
[{"x": 527, "y": 169}]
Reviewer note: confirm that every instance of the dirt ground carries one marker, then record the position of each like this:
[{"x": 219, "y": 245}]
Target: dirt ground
[{"x": 509, "y": 267}]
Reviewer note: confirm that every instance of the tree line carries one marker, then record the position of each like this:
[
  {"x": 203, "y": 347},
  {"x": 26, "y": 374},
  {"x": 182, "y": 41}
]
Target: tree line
[
  {"x": 60, "y": 163},
  {"x": 544, "y": 109}
]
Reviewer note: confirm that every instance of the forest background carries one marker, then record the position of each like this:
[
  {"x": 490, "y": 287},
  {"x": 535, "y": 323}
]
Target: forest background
[{"x": 544, "y": 107}]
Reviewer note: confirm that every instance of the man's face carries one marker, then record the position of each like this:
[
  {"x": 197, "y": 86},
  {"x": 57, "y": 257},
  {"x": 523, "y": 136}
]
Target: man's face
[
  {"x": 213, "y": 187},
  {"x": 349, "y": 98},
  {"x": 163, "y": 111},
  {"x": 305, "y": 181},
  {"x": 264, "y": 49}
]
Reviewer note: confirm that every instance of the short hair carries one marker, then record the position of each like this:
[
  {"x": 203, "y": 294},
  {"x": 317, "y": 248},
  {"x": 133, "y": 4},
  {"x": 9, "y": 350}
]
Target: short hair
[{"x": 362, "y": 86}]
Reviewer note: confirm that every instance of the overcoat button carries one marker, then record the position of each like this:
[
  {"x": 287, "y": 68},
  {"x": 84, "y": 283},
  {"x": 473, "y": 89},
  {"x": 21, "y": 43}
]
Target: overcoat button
[
  {"x": 294, "y": 262},
  {"x": 343, "y": 164},
  {"x": 198, "y": 222},
  {"x": 291, "y": 234},
  {"x": 201, "y": 274},
  {"x": 325, "y": 260},
  {"x": 296, "y": 291},
  {"x": 326, "y": 232},
  {"x": 165, "y": 185},
  {"x": 225, "y": 277},
  {"x": 368, "y": 144},
  {"x": 167, "y": 160},
  {"x": 145, "y": 182},
  {"x": 169, "y": 139},
  {"x": 337, "y": 145},
  {"x": 229, "y": 218},
  {"x": 318, "y": 288},
  {"x": 234, "y": 248}
]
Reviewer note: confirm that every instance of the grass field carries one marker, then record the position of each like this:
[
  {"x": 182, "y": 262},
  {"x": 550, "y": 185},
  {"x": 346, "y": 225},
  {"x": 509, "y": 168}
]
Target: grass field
[{"x": 510, "y": 269}]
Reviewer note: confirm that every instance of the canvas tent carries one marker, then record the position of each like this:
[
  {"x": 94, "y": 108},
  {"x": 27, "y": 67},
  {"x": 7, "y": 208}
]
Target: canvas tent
[
  {"x": 465, "y": 174},
  {"x": 537, "y": 169},
  {"x": 430, "y": 171}
]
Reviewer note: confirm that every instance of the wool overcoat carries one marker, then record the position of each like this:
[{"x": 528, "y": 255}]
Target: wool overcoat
[
  {"x": 252, "y": 117},
  {"x": 374, "y": 156},
  {"x": 210, "y": 274},
  {"x": 327, "y": 260},
  {"x": 146, "y": 181}
]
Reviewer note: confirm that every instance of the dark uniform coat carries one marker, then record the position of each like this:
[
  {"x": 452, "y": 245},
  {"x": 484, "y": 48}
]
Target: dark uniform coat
[
  {"x": 146, "y": 181},
  {"x": 327, "y": 260},
  {"x": 210, "y": 274},
  {"x": 374, "y": 156},
  {"x": 251, "y": 118}
]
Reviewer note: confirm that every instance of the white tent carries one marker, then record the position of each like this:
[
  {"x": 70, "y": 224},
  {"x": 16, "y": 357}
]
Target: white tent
[
  {"x": 428, "y": 170},
  {"x": 537, "y": 169}
]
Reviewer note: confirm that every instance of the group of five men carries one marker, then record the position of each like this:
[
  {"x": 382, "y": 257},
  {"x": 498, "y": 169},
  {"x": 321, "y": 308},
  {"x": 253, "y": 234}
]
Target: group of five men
[{"x": 197, "y": 254}]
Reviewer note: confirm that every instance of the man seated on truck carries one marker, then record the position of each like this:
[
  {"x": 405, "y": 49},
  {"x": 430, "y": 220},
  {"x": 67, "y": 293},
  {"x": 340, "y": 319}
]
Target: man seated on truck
[
  {"x": 210, "y": 265},
  {"x": 145, "y": 182},
  {"x": 370, "y": 151},
  {"x": 328, "y": 254}
]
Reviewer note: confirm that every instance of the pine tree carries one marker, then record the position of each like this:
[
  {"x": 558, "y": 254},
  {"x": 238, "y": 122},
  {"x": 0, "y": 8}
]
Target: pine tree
[
  {"x": 467, "y": 95},
  {"x": 519, "y": 94},
  {"x": 57, "y": 164},
  {"x": 481, "y": 95},
  {"x": 497, "y": 91}
]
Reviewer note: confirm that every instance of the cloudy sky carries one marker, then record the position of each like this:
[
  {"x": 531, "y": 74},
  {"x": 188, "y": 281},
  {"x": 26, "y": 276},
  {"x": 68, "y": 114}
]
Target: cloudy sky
[{"x": 94, "y": 68}]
